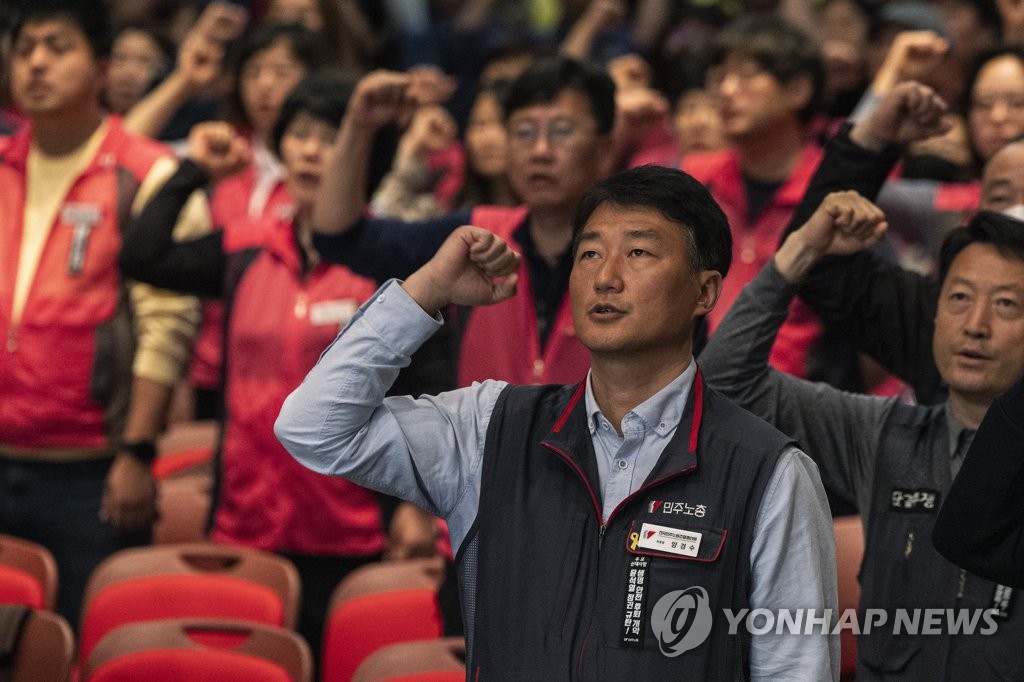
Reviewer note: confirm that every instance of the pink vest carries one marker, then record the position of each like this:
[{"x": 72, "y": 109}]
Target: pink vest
[{"x": 501, "y": 341}]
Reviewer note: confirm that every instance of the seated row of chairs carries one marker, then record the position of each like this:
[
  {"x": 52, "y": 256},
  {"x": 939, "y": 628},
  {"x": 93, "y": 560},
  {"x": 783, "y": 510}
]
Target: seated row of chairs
[{"x": 165, "y": 612}]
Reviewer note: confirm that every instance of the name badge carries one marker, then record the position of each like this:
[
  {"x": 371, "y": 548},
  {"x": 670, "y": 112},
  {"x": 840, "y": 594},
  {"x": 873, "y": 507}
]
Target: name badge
[
  {"x": 82, "y": 218},
  {"x": 669, "y": 540},
  {"x": 332, "y": 312},
  {"x": 1002, "y": 600},
  {"x": 922, "y": 500}
]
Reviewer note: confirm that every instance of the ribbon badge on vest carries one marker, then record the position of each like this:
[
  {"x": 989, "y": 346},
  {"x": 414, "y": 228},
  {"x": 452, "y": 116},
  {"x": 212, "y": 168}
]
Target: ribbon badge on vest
[{"x": 82, "y": 218}]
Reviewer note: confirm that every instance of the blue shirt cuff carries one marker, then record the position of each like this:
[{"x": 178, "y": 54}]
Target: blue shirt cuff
[{"x": 399, "y": 321}]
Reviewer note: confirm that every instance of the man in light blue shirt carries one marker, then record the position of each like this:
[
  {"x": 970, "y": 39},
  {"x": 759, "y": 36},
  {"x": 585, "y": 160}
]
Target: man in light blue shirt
[{"x": 615, "y": 527}]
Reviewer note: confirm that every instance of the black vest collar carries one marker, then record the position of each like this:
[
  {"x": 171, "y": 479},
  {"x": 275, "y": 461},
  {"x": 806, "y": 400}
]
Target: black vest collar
[{"x": 570, "y": 438}]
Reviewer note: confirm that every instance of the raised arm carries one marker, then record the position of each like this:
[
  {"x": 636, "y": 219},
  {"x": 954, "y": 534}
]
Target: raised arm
[
  {"x": 424, "y": 450},
  {"x": 199, "y": 66},
  {"x": 838, "y": 430},
  {"x": 378, "y": 99},
  {"x": 858, "y": 293},
  {"x": 150, "y": 253}
]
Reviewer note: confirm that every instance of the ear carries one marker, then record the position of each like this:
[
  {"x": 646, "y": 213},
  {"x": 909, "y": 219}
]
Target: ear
[
  {"x": 710, "y": 283},
  {"x": 798, "y": 91}
]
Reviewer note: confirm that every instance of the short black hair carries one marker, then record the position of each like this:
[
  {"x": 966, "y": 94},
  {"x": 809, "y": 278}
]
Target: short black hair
[
  {"x": 92, "y": 17},
  {"x": 779, "y": 47},
  {"x": 306, "y": 46},
  {"x": 678, "y": 197},
  {"x": 1006, "y": 234},
  {"x": 323, "y": 95},
  {"x": 543, "y": 81}
]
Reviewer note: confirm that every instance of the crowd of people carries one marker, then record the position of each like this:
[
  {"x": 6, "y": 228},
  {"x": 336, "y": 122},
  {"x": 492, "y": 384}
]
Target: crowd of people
[{"x": 614, "y": 303}]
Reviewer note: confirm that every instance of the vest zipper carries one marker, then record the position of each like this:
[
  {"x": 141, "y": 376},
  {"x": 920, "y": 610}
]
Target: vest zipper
[{"x": 604, "y": 523}]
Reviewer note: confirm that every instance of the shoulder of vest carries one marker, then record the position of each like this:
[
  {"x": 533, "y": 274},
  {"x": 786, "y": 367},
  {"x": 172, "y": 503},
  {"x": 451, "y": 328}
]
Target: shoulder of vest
[
  {"x": 704, "y": 165},
  {"x": 241, "y": 235},
  {"x": 135, "y": 153},
  {"x": 915, "y": 416},
  {"x": 517, "y": 399},
  {"x": 499, "y": 219},
  {"x": 725, "y": 420},
  {"x": 14, "y": 148}
]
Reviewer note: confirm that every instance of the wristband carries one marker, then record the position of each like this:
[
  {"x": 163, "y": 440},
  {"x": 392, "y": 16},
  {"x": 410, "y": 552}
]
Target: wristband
[{"x": 142, "y": 450}]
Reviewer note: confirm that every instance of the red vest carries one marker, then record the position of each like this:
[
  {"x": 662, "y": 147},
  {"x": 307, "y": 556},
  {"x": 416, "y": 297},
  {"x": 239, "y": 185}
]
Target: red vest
[
  {"x": 502, "y": 342},
  {"x": 755, "y": 243},
  {"x": 229, "y": 204},
  {"x": 278, "y": 325},
  {"x": 65, "y": 371}
]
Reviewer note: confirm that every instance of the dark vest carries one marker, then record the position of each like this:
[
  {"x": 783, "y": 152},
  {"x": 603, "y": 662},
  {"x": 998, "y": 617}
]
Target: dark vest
[
  {"x": 555, "y": 590},
  {"x": 901, "y": 568}
]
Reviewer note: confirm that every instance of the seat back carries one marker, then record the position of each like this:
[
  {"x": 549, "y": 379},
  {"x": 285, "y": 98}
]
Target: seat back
[
  {"x": 199, "y": 650},
  {"x": 187, "y": 462},
  {"x": 28, "y": 573},
  {"x": 435, "y": 660},
  {"x": 361, "y": 625},
  {"x": 45, "y": 647},
  {"x": 849, "y": 552},
  {"x": 188, "y": 580},
  {"x": 390, "y": 575}
]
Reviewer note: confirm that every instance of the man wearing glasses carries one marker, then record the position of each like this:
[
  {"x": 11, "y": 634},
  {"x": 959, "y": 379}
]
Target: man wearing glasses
[
  {"x": 559, "y": 115},
  {"x": 766, "y": 80}
]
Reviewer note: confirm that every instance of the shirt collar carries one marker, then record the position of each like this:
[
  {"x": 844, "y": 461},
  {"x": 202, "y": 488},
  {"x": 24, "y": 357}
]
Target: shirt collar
[{"x": 661, "y": 413}]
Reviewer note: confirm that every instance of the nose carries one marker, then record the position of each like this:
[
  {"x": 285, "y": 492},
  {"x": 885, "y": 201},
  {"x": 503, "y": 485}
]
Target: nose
[
  {"x": 542, "y": 145},
  {"x": 1000, "y": 111},
  {"x": 312, "y": 146},
  {"x": 38, "y": 56},
  {"x": 608, "y": 276},
  {"x": 978, "y": 321},
  {"x": 728, "y": 85}
]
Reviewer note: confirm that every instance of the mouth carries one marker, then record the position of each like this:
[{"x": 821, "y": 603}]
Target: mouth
[
  {"x": 605, "y": 310},
  {"x": 541, "y": 179},
  {"x": 37, "y": 89},
  {"x": 306, "y": 178},
  {"x": 972, "y": 355}
]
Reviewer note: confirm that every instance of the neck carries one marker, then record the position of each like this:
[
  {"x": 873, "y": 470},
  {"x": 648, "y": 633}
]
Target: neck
[
  {"x": 967, "y": 411},
  {"x": 620, "y": 384},
  {"x": 57, "y": 135},
  {"x": 552, "y": 234},
  {"x": 771, "y": 155},
  {"x": 502, "y": 193},
  {"x": 304, "y": 237}
]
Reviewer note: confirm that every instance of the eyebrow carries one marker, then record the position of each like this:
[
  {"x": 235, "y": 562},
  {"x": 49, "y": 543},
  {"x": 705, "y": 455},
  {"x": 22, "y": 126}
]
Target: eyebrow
[
  {"x": 1010, "y": 286},
  {"x": 632, "y": 234},
  {"x": 643, "y": 234}
]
